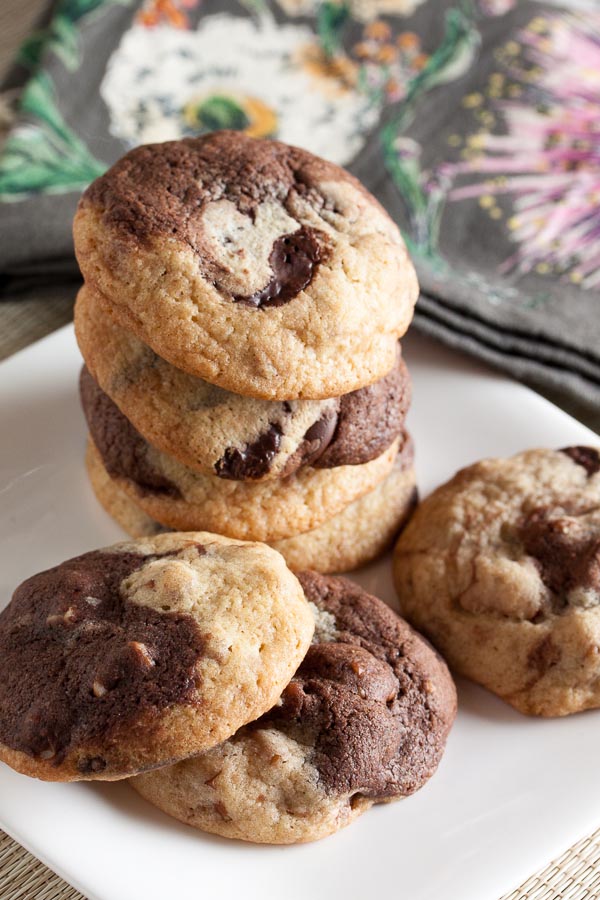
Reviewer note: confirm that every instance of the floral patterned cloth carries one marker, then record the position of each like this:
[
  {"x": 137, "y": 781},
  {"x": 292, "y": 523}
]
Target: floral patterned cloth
[{"x": 476, "y": 122}]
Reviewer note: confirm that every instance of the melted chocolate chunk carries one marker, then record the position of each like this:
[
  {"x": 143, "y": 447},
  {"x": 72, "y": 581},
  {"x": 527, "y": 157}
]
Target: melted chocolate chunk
[
  {"x": 314, "y": 443},
  {"x": 544, "y": 656},
  {"x": 365, "y": 700},
  {"x": 565, "y": 557},
  {"x": 369, "y": 420},
  {"x": 294, "y": 261},
  {"x": 318, "y": 437},
  {"x": 588, "y": 457},
  {"x": 362, "y": 427},
  {"x": 123, "y": 450},
  {"x": 254, "y": 460},
  {"x": 78, "y": 664}
]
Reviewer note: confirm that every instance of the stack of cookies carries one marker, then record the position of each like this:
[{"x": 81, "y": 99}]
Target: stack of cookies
[
  {"x": 245, "y": 701},
  {"x": 240, "y": 319}
]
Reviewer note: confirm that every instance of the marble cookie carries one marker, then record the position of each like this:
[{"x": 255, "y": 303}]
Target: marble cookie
[
  {"x": 500, "y": 568},
  {"x": 364, "y": 720},
  {"x": 216, "y": 432},
  {"x": 145, "y": 652},
  {"x": 251, "y": 264}
]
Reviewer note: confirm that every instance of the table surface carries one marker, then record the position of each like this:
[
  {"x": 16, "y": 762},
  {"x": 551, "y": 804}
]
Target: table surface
[{"x": 574, "y": 876}]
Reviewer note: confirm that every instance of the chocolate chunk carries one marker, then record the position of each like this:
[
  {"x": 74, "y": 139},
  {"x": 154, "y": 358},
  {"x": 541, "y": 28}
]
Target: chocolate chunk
[
  {"x": 123, "y": 450},
  {"x": 588, "y": 457},
  {"x": 94, "y": 764},
  {"x": 254, "y": 460},
  {"x": 369, "y": 420},
  {"x": 544, "y": 656},
  {"x": 318, "y": 437},
  {"x": 566, "y": 557},
  {"x": 365, "y": 700},
  {"x": 71, "y": 668},
  {"x": 362, "y": 427},
  {"x": 314, "y": 443},
  {"x": 294, "y": 261}
]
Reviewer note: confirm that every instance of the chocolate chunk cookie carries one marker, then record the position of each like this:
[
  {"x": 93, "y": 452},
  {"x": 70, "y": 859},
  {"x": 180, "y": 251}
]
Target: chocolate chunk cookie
[
  {"x": 180, "y": 498},
  {"x": 355, "y": 536},
  {"x": 364, "y": 720},
  {"x": 216, "y": 432},
  {"x": 500, "y": 567},
  {"x": 144, "y": 653},
  {"x": 251, "y": 264}
]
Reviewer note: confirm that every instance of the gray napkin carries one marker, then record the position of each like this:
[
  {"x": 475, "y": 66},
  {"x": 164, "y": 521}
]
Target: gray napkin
[{"x": 477, "y": 124}]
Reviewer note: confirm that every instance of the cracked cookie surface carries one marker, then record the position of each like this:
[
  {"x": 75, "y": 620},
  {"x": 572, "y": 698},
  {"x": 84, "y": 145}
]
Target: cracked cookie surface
[
  {"x": 145, "y": 652},
  {"x": 500, "y": 567},
  {"x": 251, "y": 264},
  {"x": 364, "y": 720}
]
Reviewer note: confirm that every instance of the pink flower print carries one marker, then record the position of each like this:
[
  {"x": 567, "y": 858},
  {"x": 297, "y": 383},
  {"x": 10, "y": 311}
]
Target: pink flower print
[{"x": 548, "y": 161}]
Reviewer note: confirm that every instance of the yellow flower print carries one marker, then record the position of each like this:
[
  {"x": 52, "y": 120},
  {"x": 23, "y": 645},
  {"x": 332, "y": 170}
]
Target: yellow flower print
[
  {"x": 335, "y": 74},
  {"x": 387, "y": 65}
]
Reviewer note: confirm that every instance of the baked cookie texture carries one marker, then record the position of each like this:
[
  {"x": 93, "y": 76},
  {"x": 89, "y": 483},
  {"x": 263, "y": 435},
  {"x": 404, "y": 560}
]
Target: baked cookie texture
[
  {"x": 180, "y": 498},
  {"x": 145, "y": 652},
  {"x": 216, "y": 432},
  {"x": 248, "y": 263},
  {"x": 364, "y": 720},
  {"x": 362, "y": 531},
  {"x": 500, "y": 568}
]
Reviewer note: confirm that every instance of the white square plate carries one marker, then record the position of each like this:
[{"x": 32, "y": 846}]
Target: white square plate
[{"x": 511, "y": 792}]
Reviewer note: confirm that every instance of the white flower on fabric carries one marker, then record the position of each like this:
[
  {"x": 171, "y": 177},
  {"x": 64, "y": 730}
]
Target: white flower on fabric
[
  {"x": 265, "y": 79},
  {"x": 363, "y": 10},
  {"x": 496, "y": 7}
]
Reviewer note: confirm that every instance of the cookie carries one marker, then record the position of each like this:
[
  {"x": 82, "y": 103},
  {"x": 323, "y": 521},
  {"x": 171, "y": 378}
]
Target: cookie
[
  {"x": 500, "y": 567},
  {"x": 363, "y": 530},
  {"x": 250, "y": 264},
  {"x": 219, "y": 433},
  {"x": 364, "y": 720},
  {"x": 174, "y": 495},
  {"x": 143, "y": 653},
  {"x": 352, "y": 538}
]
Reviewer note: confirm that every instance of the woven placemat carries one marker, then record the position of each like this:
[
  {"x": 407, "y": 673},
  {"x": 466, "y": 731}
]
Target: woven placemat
[
  {"x": 573, "y": 876},
  {"x": 23, "y": 877},
  {"x": 24, "y": 321}
]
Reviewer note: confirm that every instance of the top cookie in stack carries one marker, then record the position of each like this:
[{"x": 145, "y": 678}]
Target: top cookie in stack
[
  {"x": 253, "y": 265},
  {"x": 240, "y": 323}
]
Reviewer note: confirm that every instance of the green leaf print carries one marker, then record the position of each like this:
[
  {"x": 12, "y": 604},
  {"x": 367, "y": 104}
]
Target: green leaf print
[
  {"x": 424, "y": 198},
  {"x": 331, "y": 19},
  {"x": 219, "y": 112},
  {"x": 30, "y": 51},
  {"x": 61, "y": 35},
  {"x": 44, "y": 155}
]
